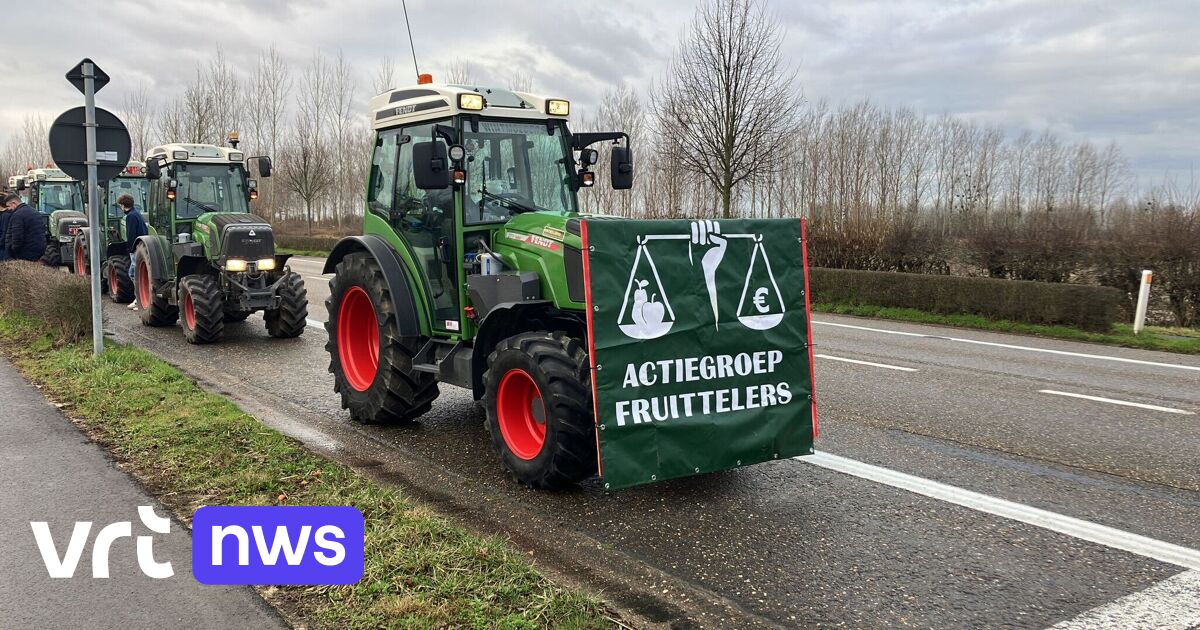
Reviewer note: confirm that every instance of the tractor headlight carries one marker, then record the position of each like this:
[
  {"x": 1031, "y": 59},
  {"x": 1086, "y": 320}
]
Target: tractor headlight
[
  {"x": 235, "y": 264},
  {"x": 558, "y": 107},
  {"x": 265, "y": 264},
  {"x": 470, "y": 101}
]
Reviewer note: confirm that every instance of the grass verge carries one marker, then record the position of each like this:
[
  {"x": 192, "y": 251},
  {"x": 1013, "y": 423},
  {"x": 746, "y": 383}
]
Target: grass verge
[
  {"x": 193, "y": 448},
  {"x": 1182, "y": 340}
]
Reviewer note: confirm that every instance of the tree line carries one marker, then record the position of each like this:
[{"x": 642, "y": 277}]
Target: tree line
[{"x": 726, "y": 132}]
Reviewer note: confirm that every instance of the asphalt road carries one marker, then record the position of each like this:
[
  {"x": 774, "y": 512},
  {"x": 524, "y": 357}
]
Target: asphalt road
[{"x": 922, "y": 509}]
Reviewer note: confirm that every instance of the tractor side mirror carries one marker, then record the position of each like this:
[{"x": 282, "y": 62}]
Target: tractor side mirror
[
  {"x": 622, "y": 168},
  {"x": 153, "y": 170},
  {"x": 264, "y": 165},
  {"x": 431, "y": 166}
]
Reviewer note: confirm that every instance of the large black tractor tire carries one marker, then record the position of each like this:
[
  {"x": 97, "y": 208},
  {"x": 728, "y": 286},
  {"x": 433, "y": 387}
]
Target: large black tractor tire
[
  {"x": 201, "y": 308},
  {"x": 120, "y": 285},
  {"x": 291, "y": 317},
  {"x": 538, "y": 398},
  {"x": 154, "y": 310},
  {"x": 51, "y": 256},
  {"x": 371, "y": 363}
]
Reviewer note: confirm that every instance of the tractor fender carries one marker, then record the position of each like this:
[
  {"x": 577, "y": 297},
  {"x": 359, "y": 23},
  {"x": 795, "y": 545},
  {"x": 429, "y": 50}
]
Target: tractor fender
[
  {"x": 394, "y": 275},
  {"x": 159, "y": 270},
  {"x": 188, "y": 265},
  {"x": 503, "y": 321}
]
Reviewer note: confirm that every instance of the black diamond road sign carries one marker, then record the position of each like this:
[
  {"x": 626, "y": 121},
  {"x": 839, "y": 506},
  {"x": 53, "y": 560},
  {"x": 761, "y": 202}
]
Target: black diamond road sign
[{"x": 75, "y": 76}]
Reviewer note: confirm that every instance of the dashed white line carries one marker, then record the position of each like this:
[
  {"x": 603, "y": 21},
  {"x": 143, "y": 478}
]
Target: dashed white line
[
  {"x": 1016, "y": 347},
  {"x": 312, "y": 323},
  {"x": 1111, "y": 401},
  {"x": 1071, "y": 526},
  {"x": 878, "y": 365},
  {"x": 1172, "y": 604}
]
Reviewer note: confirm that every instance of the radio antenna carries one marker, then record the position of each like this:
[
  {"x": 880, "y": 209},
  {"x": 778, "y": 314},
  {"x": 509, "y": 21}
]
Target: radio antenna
[{"x": 411, "y": 45}]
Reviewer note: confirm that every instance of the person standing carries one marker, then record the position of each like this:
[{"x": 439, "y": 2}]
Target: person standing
[
  {"x": 25, "y": 234},
  {"x": 5, "y": 215},
  {"x": 135, "y": 226}
]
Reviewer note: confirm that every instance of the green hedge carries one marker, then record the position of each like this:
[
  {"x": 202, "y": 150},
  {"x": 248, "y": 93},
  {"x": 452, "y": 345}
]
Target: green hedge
[
  {"x": 1087, "y": 307},
  {"x": 307, "y": 243},
  {"x": 60, "y": 299}
]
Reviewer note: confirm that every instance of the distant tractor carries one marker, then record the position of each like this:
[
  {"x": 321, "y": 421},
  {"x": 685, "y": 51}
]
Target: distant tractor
[
  {"x": 58, "y": 198},
  {"x": 207, "y": 257},
  {"x": 115, "y": 278}
]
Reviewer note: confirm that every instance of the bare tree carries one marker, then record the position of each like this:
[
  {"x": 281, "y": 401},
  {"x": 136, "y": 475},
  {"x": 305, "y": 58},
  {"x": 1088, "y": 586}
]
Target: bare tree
[
  {"x": 458, "y": 71},
  {"x": 727, "y": 99},
  {"x": 228, "y": 99},
  {"x": 266, "y": 114},
  {"x": 306, "y": 159},
  {"x": 341, "y": 108},
  {"x": 385, "y": 75},
  {"x": 137, "y": 113},
  {"x": 520, "y": 81}
]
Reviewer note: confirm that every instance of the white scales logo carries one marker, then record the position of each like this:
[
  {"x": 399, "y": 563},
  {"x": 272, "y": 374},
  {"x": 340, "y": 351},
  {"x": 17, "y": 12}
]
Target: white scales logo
[{"x": 648, "y": 317}]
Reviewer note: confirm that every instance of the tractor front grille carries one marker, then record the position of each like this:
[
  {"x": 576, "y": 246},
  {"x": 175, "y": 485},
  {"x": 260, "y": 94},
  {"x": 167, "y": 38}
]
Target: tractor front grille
[{"x": 248, "y": 242}]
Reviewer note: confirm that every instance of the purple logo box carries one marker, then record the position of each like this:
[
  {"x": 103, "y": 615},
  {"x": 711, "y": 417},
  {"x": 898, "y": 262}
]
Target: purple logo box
[{"x": 277, "y": 545}]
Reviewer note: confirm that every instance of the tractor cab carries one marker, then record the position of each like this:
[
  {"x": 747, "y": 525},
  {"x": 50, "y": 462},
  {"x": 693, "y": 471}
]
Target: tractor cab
[
  {"x": 131, "y": 181},
  {"x": 465, "y": 175},
  {"x": 59, "y": 198},
  {"x": 190, "y": 180}
]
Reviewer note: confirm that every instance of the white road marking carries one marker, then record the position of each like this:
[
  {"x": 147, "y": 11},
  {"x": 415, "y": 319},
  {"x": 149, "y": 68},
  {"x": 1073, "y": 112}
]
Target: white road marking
[
  {"x": 1172, "y": 604},
  {"x": 1016, "y": 347},
  {"x": 1071, "y": 526},
  {"x": 1117, "y": 402},
  {"x": 312, "y": 323},
  {"x": 879, "y": 365},
  {"x": 317, "y": 278}
]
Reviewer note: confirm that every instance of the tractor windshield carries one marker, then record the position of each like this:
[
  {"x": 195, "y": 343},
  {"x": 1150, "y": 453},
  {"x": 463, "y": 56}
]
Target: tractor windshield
[
  {"x": 515, "y": 167},
  {"x": 59, "y": 196},
  {"x": 125, "y": 186},
  {"x": 209, "y": 188}
]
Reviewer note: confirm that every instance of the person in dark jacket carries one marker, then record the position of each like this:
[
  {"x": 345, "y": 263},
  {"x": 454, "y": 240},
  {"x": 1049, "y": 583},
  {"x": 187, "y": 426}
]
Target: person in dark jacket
[
  {"x": 5, "y": 215},
  {"x": 135, "y": 226},
  {"x": 25, "y": 235}
]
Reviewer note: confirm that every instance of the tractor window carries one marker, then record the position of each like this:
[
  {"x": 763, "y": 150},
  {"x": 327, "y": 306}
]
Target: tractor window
[
  {"x": 382, "y": 183},
  {"x": 425, "y": 220},
  {"x": 516, "y": 167},
  {"x": 209, "y": 188},
  {"x": 125, "y": 186},
  {"x": 59, "y": 196}
]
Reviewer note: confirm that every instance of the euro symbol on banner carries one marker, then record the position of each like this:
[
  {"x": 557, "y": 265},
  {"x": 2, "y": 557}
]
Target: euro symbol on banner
[{"x": 760, "y": 300}]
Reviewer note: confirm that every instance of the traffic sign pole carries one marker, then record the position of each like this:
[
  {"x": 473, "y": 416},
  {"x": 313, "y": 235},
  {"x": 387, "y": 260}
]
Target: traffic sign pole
[{"x": 89, "y": 95}]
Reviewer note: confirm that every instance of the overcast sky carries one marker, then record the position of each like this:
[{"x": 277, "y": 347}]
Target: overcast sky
[{"x": 1127, "y": 71}]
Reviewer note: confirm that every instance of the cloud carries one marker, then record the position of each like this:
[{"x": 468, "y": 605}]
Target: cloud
[{"x": 1087, "y": 70}]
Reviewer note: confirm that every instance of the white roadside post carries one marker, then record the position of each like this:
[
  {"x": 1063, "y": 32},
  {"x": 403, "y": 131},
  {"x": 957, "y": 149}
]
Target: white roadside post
[
  {"x": 89, "y": 94},
  {"x": 1139, "y": 318}
]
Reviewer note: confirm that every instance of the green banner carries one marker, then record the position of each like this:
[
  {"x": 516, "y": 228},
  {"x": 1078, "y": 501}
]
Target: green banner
[{"x": 699, "y": 345}]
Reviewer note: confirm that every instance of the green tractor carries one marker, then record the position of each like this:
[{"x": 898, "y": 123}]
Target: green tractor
[
  {"x": 58, "y": 198},
  {"x": 207, "y": 260},
  {"x": 465, "y": 181},
  {"x": 115, "y": 260}
]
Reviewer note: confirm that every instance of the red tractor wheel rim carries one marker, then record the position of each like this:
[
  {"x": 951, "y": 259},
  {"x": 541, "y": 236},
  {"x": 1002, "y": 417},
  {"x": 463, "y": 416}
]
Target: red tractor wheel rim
[
  {"x": 112, "y": 280},
  {"x": 189, "y": 310},
  {"x": 143, "y": 284},
  {"x": 521, "y": 413},
  {"x": 358, "y": 339},
  {"x": 80, "y": 261}
]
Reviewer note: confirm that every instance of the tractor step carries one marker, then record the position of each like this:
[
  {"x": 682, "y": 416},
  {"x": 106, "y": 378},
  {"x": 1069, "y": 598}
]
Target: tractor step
[{"x": 449, "y": 360}]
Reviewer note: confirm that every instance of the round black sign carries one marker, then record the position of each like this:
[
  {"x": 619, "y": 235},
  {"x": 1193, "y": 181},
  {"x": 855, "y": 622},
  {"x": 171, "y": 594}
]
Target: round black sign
[{"x": 68, "y": 144}]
